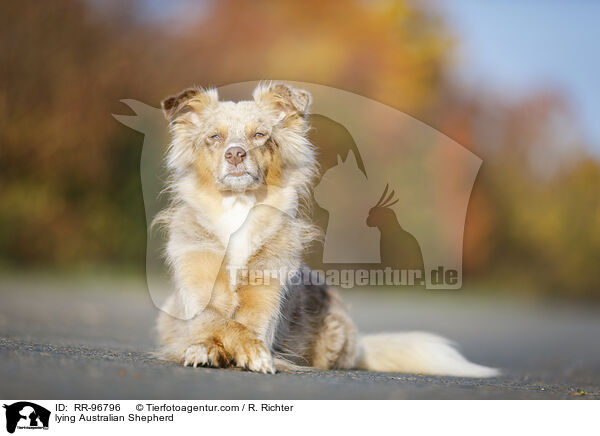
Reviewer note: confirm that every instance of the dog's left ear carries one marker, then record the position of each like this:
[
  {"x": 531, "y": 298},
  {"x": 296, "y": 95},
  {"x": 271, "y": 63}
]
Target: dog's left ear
[
  {"x": 283, "y": 97},
  {"x": 191, "y": 98}
]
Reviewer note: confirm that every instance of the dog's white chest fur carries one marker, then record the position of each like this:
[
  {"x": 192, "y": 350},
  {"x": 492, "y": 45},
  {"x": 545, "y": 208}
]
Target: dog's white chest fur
[{"x": 236, "y": 211}]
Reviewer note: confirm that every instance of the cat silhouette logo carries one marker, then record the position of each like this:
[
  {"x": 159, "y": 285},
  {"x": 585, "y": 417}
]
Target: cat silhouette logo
[
  {"x": 26, "y": 415},
  {"x": 391, "y": 193}
]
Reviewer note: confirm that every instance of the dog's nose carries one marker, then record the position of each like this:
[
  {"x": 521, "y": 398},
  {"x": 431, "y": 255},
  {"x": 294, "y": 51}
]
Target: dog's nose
[{"x": 235, "y": 155}]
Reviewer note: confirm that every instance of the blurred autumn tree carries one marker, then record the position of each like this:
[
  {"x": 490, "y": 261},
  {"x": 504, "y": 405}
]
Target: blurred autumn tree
[{"x": 69, "y": 183}]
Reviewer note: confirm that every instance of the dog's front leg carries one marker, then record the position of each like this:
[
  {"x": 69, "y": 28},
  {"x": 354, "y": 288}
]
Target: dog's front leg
[
  {"x": 207, "y": 333},
  {"x": 257, "y": 309},
  {"x": 193, "y": 320},
  {"x": 214, "y": 340},
  {"x": 219, "y": 342}
]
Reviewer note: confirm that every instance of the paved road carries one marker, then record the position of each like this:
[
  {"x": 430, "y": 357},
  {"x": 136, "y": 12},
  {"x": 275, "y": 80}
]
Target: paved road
[{"x": 83, "y": 339}]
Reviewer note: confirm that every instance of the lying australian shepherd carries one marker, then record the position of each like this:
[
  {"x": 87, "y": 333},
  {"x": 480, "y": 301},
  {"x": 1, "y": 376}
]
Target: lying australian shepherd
[{"x": 241, "y": 175}]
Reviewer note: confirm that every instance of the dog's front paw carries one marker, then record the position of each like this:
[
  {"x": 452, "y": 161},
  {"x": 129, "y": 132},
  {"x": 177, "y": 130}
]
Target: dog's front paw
[
  {"x": 209, "y": 353},
  {"x": 253, "y": 355}
]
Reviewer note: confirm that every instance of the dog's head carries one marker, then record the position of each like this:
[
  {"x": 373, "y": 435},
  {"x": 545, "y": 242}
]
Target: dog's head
[{"x": 239, "y": 146}]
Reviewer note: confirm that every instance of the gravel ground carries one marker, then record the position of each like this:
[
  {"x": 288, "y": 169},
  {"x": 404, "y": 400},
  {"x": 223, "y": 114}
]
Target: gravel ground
[{"x": 83, "y": 339}]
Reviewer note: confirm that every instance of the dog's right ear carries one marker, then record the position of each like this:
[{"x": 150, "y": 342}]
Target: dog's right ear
[
  {"x": 191, "y": 98},
  {"x": 285, "y": 98}
]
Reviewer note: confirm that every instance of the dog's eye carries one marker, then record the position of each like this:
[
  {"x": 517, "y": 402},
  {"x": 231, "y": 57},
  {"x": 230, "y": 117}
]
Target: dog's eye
[
  {"x": 215, "y": 137},
  {"x": 259, "y": 135}
]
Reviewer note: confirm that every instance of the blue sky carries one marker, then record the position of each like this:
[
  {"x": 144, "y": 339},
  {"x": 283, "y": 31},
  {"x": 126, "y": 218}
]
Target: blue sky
[
  {"x": 511, "y": 45},
  {"x": 519, "y": 45}
]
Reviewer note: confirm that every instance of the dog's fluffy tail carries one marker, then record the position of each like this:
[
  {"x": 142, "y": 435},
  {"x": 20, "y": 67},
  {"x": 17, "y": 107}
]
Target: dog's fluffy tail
[{"x": 417, "y": 353}]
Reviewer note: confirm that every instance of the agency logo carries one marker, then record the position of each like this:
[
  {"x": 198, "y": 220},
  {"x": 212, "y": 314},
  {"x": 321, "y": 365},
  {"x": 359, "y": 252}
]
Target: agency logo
[
  {"x": 26, "y": 415},
  {"x": 390, "y": 197}
]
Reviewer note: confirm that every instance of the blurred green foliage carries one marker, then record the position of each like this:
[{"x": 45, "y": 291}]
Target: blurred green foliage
[{"x": 69, "y": 183}]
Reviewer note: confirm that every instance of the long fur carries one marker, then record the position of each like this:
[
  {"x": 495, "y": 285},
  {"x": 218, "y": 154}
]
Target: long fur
[
  {"x": 416, "y": 352},
  {"x": 252, "y": 213}
]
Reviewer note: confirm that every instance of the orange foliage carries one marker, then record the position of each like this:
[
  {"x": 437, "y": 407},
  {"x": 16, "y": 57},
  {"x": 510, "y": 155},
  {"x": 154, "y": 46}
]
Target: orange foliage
[{"x": 69, "y": 183}]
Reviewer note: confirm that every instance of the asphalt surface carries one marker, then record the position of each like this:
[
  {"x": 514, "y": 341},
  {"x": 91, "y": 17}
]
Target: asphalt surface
[{"x": 92, "y": 339}]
